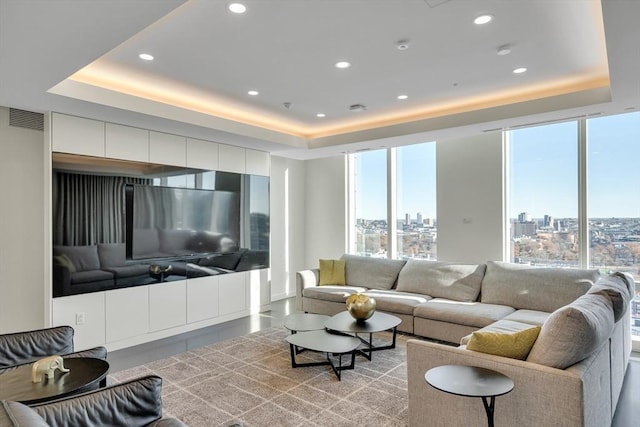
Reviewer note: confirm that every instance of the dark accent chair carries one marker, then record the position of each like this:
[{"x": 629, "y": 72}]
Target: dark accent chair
[
  {"x": 135, "y": 403},
  {"x": 27, "y": 347}
]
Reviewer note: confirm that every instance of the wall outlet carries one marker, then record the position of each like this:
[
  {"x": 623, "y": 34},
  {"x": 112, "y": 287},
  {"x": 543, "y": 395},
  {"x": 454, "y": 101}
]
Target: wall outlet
[{"x": 80, "y": 318}]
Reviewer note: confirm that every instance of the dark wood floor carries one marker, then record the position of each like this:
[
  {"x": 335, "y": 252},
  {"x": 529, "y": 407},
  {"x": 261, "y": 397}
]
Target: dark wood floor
[{"x": 627, "y": 411}]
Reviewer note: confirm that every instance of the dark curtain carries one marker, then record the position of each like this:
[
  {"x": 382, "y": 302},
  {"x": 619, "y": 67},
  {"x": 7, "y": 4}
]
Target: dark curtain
[{"x": 89, "y": 209}]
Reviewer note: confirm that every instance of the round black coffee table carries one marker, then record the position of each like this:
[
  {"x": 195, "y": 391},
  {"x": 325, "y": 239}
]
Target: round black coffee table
[
  {"x": 324, "y": 342},
  {"x": 470, "y": 381},
  {"x": 303, "y": 322},
  {"x": 379, "y": 322},
  {"x": 85, "y": 373}
]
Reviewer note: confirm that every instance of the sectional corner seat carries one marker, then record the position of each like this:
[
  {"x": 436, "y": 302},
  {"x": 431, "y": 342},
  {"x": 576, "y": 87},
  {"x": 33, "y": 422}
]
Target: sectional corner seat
[{"x": 574, "y": 372}]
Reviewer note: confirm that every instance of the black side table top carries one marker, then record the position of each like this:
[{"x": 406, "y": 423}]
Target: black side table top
[
  {"x": 470, "y": 381},
  {"x": 84, "y": 372},
  {"x": 300, "y": 322}
]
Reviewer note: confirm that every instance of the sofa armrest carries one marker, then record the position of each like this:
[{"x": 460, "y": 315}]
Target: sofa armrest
[
  {"x": 542, "y": 395},
  {"x": 133, "y": 403},
  {"x": 61, "y": 282},
  {"x": 305, "y": 279},
  {"x": 24, "y": 347}
]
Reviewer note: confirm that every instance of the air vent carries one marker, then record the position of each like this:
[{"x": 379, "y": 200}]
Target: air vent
[
  {"x": 26, "y": 119},
  {"x": 357, "y": 108}
]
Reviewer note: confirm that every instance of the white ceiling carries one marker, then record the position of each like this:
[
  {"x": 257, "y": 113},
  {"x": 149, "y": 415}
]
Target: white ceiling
[{"x": 82, "y": 58}]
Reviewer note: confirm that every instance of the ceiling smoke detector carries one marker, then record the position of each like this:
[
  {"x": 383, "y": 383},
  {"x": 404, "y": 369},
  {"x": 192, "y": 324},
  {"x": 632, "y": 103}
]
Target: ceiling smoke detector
[
  {"x": 402, "y": 44},
  {"x": 357, "y": 108},
  {"x": 287, "y": 105}
]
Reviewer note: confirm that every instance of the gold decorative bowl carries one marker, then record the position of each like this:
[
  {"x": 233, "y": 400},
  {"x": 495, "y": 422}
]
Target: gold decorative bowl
[{"x": 361, "y": 307}]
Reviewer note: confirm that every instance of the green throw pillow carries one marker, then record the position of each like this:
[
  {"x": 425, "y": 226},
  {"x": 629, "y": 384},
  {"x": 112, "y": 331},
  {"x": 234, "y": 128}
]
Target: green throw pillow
[
  {"x": 332, "y": 272},
  {"x": 64, "y": 261},
  {"x": 516, "y": 345}
]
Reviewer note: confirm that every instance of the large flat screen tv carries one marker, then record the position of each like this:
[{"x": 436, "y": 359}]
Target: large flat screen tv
[{"x": 169, "y": 222}]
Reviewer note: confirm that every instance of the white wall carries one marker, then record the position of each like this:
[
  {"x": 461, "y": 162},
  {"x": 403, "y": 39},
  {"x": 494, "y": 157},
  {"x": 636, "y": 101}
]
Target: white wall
[
  {"x": 287, "y": 221},
  {"x": 325, "y": 209},
  {"x": 470, "y": 198},
  {"x": 22, "y": 228}
]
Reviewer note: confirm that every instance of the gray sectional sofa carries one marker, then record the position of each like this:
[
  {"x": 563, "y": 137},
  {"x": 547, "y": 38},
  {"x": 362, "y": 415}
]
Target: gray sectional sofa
[{"x": 574, "y": 372}]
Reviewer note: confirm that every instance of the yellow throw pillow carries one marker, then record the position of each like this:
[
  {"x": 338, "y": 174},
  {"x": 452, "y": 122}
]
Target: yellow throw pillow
[
  {"x": 332, "y": 272},
  {"x": 516, "y": 345}
]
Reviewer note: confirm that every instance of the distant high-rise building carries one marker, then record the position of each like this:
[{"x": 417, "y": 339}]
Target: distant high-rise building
[
  {"x": 548, "y": 221},
  {"x": 527, "y": 229},
  {"x": 419, "y": 218},
  {"x": 407, "y": 219},
  {"x": 524, "y": 217},
  {"x": 428, "y": 222}
]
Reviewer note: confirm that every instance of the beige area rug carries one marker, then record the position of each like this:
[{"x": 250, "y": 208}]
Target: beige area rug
[{"x": 249, "y": 381}]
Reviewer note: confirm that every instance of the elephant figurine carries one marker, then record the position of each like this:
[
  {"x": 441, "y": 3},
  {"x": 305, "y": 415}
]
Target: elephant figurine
[{"x": 47, "y": 367}]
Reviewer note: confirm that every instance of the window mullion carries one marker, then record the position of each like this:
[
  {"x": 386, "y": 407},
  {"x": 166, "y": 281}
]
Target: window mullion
[
  {"x": 392, "y": 223},
  {"x": 583, "y": 218}
]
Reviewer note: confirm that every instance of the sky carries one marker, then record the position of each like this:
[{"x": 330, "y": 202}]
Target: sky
[{"x": 543, "y": 173}]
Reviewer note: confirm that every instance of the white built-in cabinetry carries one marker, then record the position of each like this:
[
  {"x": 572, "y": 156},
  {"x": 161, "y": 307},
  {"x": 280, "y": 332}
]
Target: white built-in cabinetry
[{"x": 123, "y": 317}]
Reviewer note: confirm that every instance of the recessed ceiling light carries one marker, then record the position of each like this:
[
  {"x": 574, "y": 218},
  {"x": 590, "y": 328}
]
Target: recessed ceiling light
[
  {"x": 403, "y": 96},
  {"x": 519, "y": 70},
  {"x": 321, "y": 115},
  {"x": 237, "y": 8},
  {"x": 483, "y": 19},
  {"x": 402, "y": 44},
  {"x": 253, "y": 92},
  {"x": 343, "y": 64},
  {"x": 146, "y": 56}
]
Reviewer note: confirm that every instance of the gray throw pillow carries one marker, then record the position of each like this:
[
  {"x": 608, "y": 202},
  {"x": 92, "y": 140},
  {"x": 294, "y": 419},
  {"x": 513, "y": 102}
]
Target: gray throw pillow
[
  {"x": 372, "y": 273},
  {"x": 613, "y": 288},
  {"x": 534, "y": 288},
  {"x": 84, "y": 258},
  {"x": 458, "y": 282},
  {"x": 16, "y": 414},
  {"x": 111, "y": 254},
  {"x": 574, "y": 332}
]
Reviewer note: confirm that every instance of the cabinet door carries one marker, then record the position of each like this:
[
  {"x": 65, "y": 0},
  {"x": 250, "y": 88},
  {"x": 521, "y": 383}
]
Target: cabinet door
[
  {"x": 231, "y": 159},
  {"x": 259, "y": 288},
  {"x": 167, "y": 305},
  {"x": 126, "y": 143},
  {"x": 127, "y": 313},
  {"x": 202, "y": 298},
  {"x": 85, "y": 313},
  {"x": 202, "y": 154},
  {"x": 233, "y": 293},
  {"x": 167, "y": 149},
  {"x": 76, "y": 135},
  {"x": 257, "y": 162}
]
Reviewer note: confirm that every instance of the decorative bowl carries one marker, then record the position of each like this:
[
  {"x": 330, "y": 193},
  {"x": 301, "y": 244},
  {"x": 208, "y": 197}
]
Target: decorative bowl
[{"x": 361, "y": 307}]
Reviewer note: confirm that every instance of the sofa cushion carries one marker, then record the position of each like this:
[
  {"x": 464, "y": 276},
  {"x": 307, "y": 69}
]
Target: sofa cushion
[
  {"x": 515, "y": 345},
  {"x": 90, "y": 276},
  {"x": 111, "y": 254},
  {"x": 574, "y": 332},
  {"x": 458, "y": 282},
  {"x": 395, "y": 301},
  {"x": 614, "y": 288},
  {"x": 64, "y": 261},
  {"x": 542, "y": 289},
  {"x": 529, "y": 317},
  {"x": 373, "y": 273},
  {"x": 475, "y": 314},
  {"x": 83, "y": 257},
  {"x": 331, "y": 292},
  {"x": 332, "y": 272}
]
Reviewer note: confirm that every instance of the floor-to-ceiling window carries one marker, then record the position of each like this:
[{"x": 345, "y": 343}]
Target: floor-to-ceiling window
[
  {"x": 406, "y": 178},
  {"x": 416, "y": 201},
  {"x": 543, "y": 195},
  {"x": 370, "y": 203}
]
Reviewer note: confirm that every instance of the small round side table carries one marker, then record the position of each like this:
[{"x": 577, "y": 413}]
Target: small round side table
[{"x": 470, "y": 381}]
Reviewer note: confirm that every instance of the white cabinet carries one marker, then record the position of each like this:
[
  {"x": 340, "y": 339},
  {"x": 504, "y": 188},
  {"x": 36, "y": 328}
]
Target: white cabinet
[
  {"x": 257, "y": 162},
  {"x": 76, "y": 135},
  {"x": 167, "y": 305},
  {"x": 127, "y": 313},
  {"x": 126, "y": 143},
  {"x": 231, "y": 159},
  {"x": 202, "y": 298},
  {"x": 167, "y": 149},
  {"x": 233, "y": 293},
  {"x": 202, "y": 154},
  {"x": 85, "y": 313}
]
